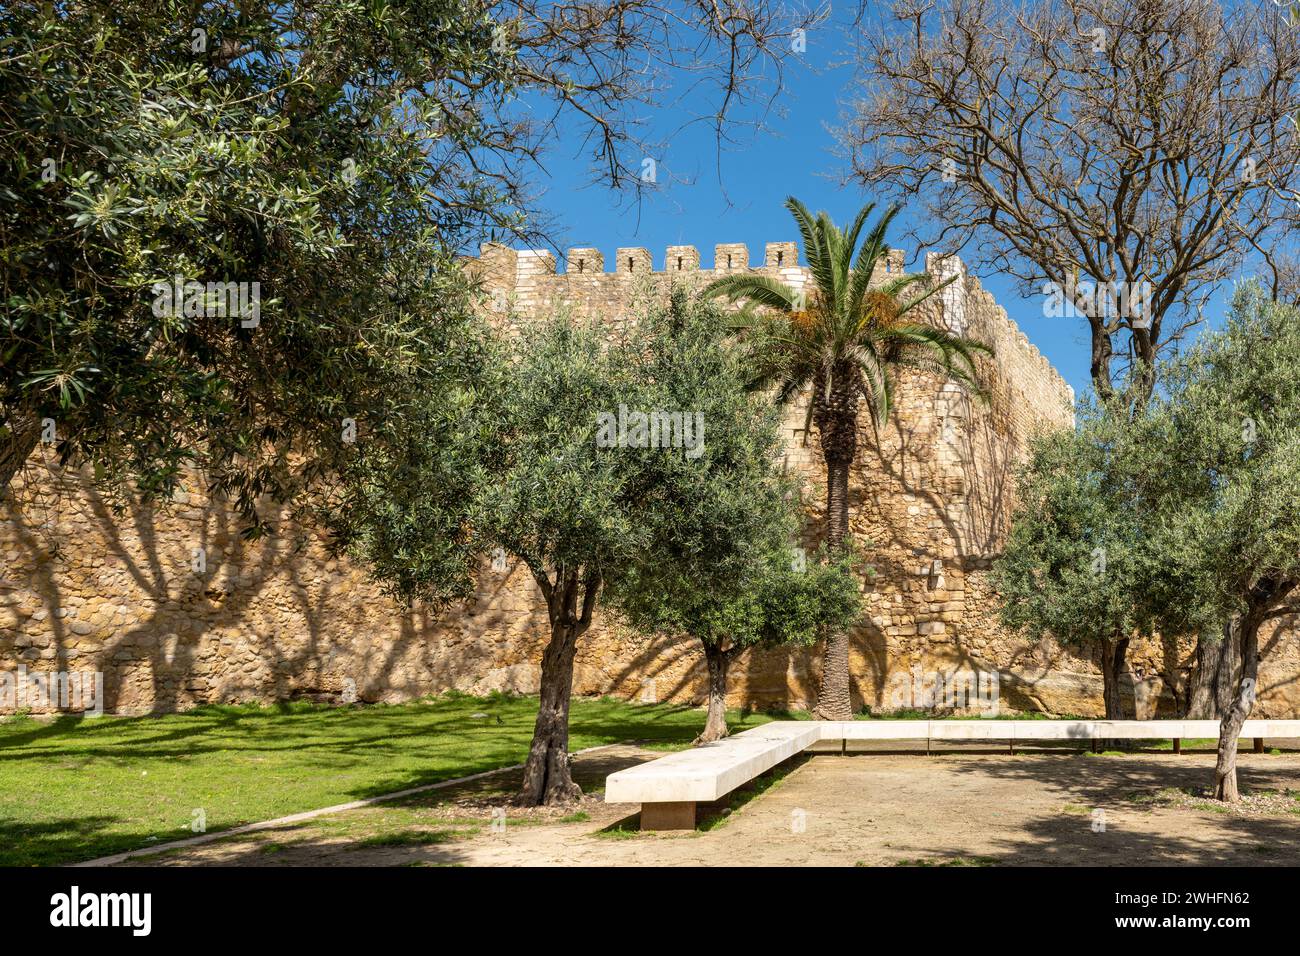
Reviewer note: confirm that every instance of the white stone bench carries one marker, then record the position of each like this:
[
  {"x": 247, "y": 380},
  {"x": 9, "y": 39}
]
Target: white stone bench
[{"x": 669, "y": 788}]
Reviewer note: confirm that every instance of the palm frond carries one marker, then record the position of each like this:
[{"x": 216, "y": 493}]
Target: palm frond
[
  {"x": 759, "y": 290},
  {"x": 874, "y": 382},
  {"x": 919, "y": 332},
  {"x": 814, "y": 249},
  {"x": 851, "y": 234},
  {"x": 791, "y": 387},
  {"x": 926, "y": 348},
  {"x": 851, "y": 320},
  {"x": 873, "y": 249}
]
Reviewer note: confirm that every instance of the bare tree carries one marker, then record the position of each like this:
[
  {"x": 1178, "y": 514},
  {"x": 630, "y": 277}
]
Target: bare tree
[
  {"x": 1123, "y": 156},
  {"x": 613, "y": 82},
  {"x": 1117, "y": 149}
]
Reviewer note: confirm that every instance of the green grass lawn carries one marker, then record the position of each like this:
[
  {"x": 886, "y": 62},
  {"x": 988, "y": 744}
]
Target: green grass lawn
[{"x": 74, "y": 789}]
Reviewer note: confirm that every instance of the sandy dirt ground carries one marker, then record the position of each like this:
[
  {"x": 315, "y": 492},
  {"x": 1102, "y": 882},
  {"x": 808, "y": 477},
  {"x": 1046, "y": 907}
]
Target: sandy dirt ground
[{"x": 880, "y": 809}]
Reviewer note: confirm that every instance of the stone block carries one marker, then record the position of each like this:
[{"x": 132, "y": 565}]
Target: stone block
[{"x": 730, "y": 257}]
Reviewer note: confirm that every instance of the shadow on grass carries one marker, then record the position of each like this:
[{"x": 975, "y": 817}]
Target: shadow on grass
[
  {"x": 444, "y": 816},
  {"x": 50, "y": 842},
  {"x": 77, "y": 788}
]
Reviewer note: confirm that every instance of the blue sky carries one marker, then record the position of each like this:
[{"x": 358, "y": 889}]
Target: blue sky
[{"x": 694, "y": 205}]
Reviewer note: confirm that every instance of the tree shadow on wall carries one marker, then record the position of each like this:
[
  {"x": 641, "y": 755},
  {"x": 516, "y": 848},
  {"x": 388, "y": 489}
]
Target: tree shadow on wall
[
  {"x": 905, "y": 460},
  {"x": 275, "y": 606}
]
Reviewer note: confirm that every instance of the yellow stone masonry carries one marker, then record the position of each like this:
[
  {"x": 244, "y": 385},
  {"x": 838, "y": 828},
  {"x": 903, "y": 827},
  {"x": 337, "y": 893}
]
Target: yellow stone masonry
[{"x": 82, "y": 589}]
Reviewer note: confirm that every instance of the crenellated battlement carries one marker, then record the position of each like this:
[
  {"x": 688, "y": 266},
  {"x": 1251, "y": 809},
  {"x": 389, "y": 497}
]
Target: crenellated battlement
[
  {"x": 589, "y": 261},
  {"x": 529, "y": 283}
]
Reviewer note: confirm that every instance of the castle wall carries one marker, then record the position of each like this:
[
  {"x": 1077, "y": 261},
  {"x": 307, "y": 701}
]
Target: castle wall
[{"x": 84, "y": 589}]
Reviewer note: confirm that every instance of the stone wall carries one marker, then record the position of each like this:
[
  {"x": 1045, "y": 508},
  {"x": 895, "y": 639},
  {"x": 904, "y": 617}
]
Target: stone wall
[{"x": 84, "y": 589}]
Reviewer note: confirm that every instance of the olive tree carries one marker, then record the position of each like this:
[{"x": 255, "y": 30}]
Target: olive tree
[
  {"x": 592, "y": 455},
  {"x": 646, "y": 451},
  {"x": 773, "y": 597},
  {"x": 1077, "y": 559},
  {"x": 228, "y": 231},
  {"x": 218, "y": 245},
  {"x": 1222, "y": 455}
]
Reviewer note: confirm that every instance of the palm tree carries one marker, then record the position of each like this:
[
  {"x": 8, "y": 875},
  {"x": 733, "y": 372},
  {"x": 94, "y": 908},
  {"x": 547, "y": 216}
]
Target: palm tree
[{"x": 846, "y": 340}]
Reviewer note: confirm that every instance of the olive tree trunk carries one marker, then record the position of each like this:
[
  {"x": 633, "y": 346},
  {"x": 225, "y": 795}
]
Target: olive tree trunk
[
  {"x": 1242, "y": 644},
  {"x": 1216, "y": 673},
  {"x": 1227, "y": 676},
  {"x": 21, "y": 433},
  {"x": 718, "y": 661},
  {"x": 548, "y": 777},
  {"x": 1203, "y": 684},
  {"x": 1235, "y": 712},
  {"x": 1113, "y": 653}
]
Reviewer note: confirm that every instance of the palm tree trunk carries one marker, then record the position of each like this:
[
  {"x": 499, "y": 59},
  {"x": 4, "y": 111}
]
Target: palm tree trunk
[
  {"x": 837, "y": 504},
  {"x": 834, "y": 696}
]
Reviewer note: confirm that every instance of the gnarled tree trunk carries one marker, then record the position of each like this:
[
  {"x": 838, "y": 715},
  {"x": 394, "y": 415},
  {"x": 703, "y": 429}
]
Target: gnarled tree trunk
[
  {"x": 1244, "y": 631},
  {"x": 1202, "y": 691},
  {"x": 1227, "y": 677},
  {"x": 1237, "y": 708},
  {"x": 1215, "y": 674},
  {"x": 1113, "y": 653},
  {"x": 21, "y": 431},
  {"x": 718, "y": 661},
  {"x": 548, "y": 777}
]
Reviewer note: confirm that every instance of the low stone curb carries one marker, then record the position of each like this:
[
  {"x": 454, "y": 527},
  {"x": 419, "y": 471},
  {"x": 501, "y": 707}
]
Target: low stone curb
[{"x": 116, "y": 858}]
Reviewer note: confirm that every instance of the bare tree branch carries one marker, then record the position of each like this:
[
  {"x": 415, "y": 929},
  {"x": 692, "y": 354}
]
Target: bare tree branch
[{"x": 1140, "y": 145}]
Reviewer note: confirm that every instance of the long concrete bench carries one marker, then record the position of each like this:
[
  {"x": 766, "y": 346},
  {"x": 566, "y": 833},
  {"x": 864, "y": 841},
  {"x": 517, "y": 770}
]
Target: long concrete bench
[{"x": 669, "y": 788}]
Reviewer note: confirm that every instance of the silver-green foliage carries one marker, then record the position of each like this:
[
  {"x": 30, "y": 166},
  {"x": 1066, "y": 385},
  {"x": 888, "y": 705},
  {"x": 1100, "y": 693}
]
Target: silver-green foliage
[
  {"x": 1220, "y": 453},
  {"x": 565, "y": 504},
  {"x": 290, "y": 145},
  {"x": 1078, "y": 559},
  {"x": 1168, "y": 522}
]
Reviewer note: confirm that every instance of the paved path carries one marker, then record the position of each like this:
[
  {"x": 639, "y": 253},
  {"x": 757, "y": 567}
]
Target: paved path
[{"x": 882, "y": 809}]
